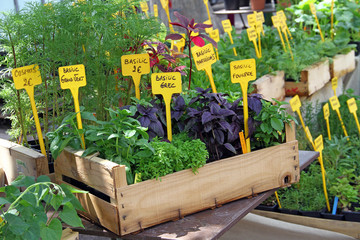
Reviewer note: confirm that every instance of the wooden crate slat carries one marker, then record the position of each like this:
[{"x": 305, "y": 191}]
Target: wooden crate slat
[
  {"x": 151, "y": 202},
  {"x": 342, "y": 64},
  {"x": 271, "y": 86}
]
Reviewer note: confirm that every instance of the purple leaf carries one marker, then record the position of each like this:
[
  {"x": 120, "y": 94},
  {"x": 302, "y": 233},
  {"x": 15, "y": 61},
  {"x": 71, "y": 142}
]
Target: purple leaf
[
  {"x": 209, "y": 39},
  {"x": 225, "y": 125},
  {"x": 144, "y": 121},
  {"x": 192, "y": 21},
  {"x": 206, "y": 117},
  {"x": 174, "y": 36},
  {"x": 183, "y": 20},
  {"x": 230, "y": 147},
  {"x": 202, "y": 25},
  {"x": 157, "y": 128},
  {"x": 219, "y": 136}
]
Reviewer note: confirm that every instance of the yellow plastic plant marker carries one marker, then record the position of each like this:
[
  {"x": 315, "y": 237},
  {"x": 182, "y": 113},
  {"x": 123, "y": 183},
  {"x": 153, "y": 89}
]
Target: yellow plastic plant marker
[
  {"x": 252, "y": 19},
  {"x": 309, "y": 136},
  {"x": 335, "y": 105},
  {"x": 334, "y": 84},
  {"x": 206, "y": 2},
  {"x": 166, "y": 84},
  {"x": 319, "y": 146},
  {"x": 242, "y": 142},
  {"x": 276, "y": 23},
  {"x": 208, "y": 30},
  {"x": 228, "y": 28},
  {"x": 165, "y": 5},
  {"x": 260, "y": 18},
  {"x": 215, "y": 35},
  {"x": 282, "y": 17},
  {"x": 180, "y": 44},
  {"x": 313, "y": 11},
  {"x": 283, "y": 26},
  {"x": 244, "y": 71},
  {"x": 156, "y": 10},
  {"x": 332, "y": 20},
  {"x": 73, "y": 77},
  {"x": 353, "y": 109},
  {"x": 326, "y": 112},
  {"x": 252, "y": 35},
  {"x": 135, "y": 65},
  {"x": 145, "y": 8},
  {"x": 259, "y": 30},
  {"x": 204, "y": 57},
  {"x": 27, "y": 78}
]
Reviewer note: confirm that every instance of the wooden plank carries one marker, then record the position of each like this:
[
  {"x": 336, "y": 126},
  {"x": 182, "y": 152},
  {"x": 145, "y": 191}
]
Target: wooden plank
[
  {"x": 317, "y": 76},
  {"x": 271, "y": 86},
  {"x": 344, "y": 227},
  {"x": 296, "y": 88},
  {"x": 98, "y": 210},
  {"x": 3, "y": 180},
  {"x": 290, "y": 130},
  {"x": 68, "y": 234},
  {"x": 176, "y": 195},
  {"x": 16, "y": 158},
  {"x": 342, "y": 64},
  {"x": 93, "y": 171}
]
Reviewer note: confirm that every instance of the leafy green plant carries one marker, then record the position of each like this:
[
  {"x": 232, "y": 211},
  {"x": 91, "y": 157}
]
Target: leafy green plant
[
  {"x": 24, "y": 214},
  {"x": 182, "y": 153},
  {"x": 272, "y": 118}
]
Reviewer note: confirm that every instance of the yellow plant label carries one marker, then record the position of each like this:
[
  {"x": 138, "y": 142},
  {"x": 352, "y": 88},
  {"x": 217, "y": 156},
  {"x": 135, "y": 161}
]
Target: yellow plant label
[
  {"x": 166, "y": 84},
  {"x": 295, "y": 103},
  {"x": 281, "y": 15},
  {"x": 194, "y": 34},
  {"x": 319, "y": 144},
  {"x": 144, "y": 6},
  {"x": 214, "y": 34},
  {"x": 204, "y": 56},
  {"x": 283, "y": 26},
  {"x": 208, "y": 30},
  {"x": 352, "y": 105},
  {"x": 308, "y": 134},
  {"x": 334, "y": 102},
  {"x": 206, "y": 2},
  {"x": 164, "y": 3},
  {"x": 275, "y": 21},
  {"x": 72, "y": 76},
  {"x": 334, "y": 83},
  {"x": 259, "y": 27},
  {"x": 136, "y": 64},
  {"x": 243, "y": 70},
  {"x": 251, "y": 20},
  {"x": 252, "y": 35},
  {"x": 226, "y": 25},
  {"x": 26, "y": 77},
  {"x": 326, "y": 111},
  {"x": 312, "y": 8},
  {"x": 260, "y": 17},
  {"x": 180, "y": 43},
  {"x": 156, "y": 10}
]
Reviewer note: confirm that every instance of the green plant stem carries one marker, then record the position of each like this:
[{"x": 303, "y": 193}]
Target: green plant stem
[{"x": 189, "y": 46}]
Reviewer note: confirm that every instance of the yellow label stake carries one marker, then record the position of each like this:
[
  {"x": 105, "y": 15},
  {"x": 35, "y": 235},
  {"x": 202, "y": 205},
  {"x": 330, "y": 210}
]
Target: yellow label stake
[
  {"x": 73, "y": 77},
  {"x": 204, "y": 57},
  {"x": 283, "y": 26},
  {"x": 215, "y": 35},
  {"x": 251, "y": 20},
  {"x": 166, "y": 84},
  {"x": 206, "y": 2},
  {"x": 319, "y": 146},
  {"x": 252, "y": 35},
  {"x": 135, "y": 65},
  {"x": 156, "y": 10},
  {"x": 335, "y": 105},
  {"x": 326, "y": 112},
  {"x": 27, "y": 78},
  {"x": 313, "y": 11},
  {"x": 144, "y": 7},
  {"x": 228, "y": 28},
  {"x": 208, "y": 30},
  {"x": 276, "y": 23},
  {"x": 353, "y": 109},
  {"x": 334, "y": 84},
  {"x": 282, "y": 17},
  {"x": 244, "y": 71}
]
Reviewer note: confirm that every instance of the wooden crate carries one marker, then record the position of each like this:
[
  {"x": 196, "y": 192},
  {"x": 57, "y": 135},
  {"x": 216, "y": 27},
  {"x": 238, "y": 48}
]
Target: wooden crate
[
  {"x": 312, "y": 79},
  {"x": 125, "y": 209},
  {"x": 342, "y": 64},
  {"x": 16, "y": 158},
  {"x": 271, "y": 86}
]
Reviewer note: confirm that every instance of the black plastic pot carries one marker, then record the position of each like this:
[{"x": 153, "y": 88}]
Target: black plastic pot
[
  {"x": 36, "y": 146},
  {"x": 316, "y": 214},
  {"x": 270, "y": 208},
  {"x": 289, "y": 211},
  {"x": 232, "y": 4},
  {"x": 352, "y": 215},
  {"x": 328, "y": 215}
]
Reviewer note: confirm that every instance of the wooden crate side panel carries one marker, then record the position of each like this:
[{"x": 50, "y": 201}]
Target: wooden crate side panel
[
  {"x": 318, "y": 76},
  {"x": 290, "y": 131},
  {"x": 98, "y": 210},
  {"x": 271, "y": 86},
  {"x": 68, "y": 234},
  {"x": 16, "y": 158},
  {"x": 93, "y": 171},
  {"x": 152, "y": 202},
  {"x": 342, "y": 64},
  {"x": 296, "y": 88}
]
